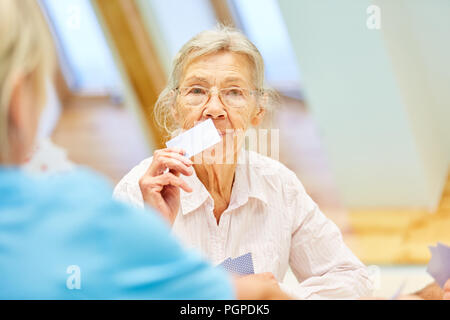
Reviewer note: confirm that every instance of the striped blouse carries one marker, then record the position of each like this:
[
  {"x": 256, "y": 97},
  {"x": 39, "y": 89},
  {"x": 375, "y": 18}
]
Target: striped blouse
[{"x": 270, "y": 215}]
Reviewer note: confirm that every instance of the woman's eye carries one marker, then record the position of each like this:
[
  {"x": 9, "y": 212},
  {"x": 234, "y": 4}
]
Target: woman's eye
[
  {"x": 197, "y": 91},
  {"x": 235, "y": 92}
]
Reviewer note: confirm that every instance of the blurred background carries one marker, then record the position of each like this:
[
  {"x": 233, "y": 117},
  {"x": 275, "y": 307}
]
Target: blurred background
[{"x": 364, "y": 119}]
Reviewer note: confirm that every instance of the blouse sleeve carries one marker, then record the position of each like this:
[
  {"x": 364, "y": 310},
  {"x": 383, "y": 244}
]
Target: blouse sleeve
[
  {"x": 127, "y": 190},
  {"x": 322, "y": 263}
]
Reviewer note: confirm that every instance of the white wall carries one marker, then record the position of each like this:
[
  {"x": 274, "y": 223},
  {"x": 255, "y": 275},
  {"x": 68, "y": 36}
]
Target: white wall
[
  {"x": 414, "y": 33},
  {"x": 430, "y": 25},
  {"x": 367, "y": 90},
  {"x": 171, "y": 23}
]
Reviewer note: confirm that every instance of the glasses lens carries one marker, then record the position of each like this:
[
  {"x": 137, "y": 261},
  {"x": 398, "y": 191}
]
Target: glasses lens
[
  {"x": 194, "y": 96},
  {"x": 234, "y": 97}
]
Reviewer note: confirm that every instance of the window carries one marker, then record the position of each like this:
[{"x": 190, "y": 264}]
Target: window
[
  {"x": 179, "y": 20},
  {"x": 86, "y": 60},
  {"x": 262, "y": 22}
]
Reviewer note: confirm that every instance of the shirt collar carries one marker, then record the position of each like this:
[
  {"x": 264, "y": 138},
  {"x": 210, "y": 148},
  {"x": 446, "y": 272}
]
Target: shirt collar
[
  {"x": 193, "y": 200},
  {"x": 248, "y": 183}
]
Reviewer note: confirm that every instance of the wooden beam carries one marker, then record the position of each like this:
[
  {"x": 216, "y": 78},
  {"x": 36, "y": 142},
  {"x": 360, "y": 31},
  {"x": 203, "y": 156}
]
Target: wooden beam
[
  {"x": 137, "y": 54},
  {"x": 223, "y": 13}
]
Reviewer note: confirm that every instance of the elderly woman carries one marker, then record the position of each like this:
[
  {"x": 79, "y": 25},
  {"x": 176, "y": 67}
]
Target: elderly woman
[{"x": 229, "y": 209}]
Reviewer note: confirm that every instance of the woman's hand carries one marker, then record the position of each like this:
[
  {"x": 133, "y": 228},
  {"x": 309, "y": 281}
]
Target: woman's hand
[
  {"x": 262, "y": 286},
  {"x": 446, "y": 295},
  {"x": 159, "y": 187},
  {"x": 265, "y": 276}
]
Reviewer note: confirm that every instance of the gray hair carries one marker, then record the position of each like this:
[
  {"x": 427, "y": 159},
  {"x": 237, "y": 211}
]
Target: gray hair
[{"x": 222, "y": 38}]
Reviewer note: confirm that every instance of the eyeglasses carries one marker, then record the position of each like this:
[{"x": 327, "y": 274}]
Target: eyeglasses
[{"x": 197, "y": 96}]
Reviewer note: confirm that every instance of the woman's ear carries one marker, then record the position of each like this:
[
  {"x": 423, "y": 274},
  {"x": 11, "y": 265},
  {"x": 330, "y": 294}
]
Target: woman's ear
[{"x": 258, "y": 117}]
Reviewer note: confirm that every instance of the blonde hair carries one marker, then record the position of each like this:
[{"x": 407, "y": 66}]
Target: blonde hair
[
  {"x": 222, "y": 38},
  {"x": 26, "y": 50}
]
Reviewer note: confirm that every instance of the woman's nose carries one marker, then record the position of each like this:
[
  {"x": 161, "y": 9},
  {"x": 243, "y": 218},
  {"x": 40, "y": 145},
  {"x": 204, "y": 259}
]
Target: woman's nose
[{"x": 214, "y": 108}]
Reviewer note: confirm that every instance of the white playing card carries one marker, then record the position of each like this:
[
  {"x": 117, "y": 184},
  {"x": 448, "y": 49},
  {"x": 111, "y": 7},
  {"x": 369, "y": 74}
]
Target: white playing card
[{"x": 197, "y": 139}]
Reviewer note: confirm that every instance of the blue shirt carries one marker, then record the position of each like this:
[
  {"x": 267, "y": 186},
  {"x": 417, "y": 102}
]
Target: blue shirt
[{"x": 64, "y": 232}]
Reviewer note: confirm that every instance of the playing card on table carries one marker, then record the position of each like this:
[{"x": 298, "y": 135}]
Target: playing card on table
[
  {"x": 439, "y": 265},
  {"x": 197, "y": 139},
  {"x": 242, "y": 265}
]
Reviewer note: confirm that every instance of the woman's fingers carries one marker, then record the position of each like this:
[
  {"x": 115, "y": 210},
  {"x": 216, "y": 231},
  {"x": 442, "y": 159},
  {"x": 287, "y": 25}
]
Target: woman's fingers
[
  {"x": 176, "y": 165},
  {"x": 170, "y": 179},
  {"x": 447, "y": 285},
  {"x": 268, "y": 275},
  {"x": 175, "y": 150},
  {"x": 446, "y": 295},
  {"x": 178, "y": 157},
  {"x": 172, "y": 159},
  {"x": 154, "y": 185}
]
